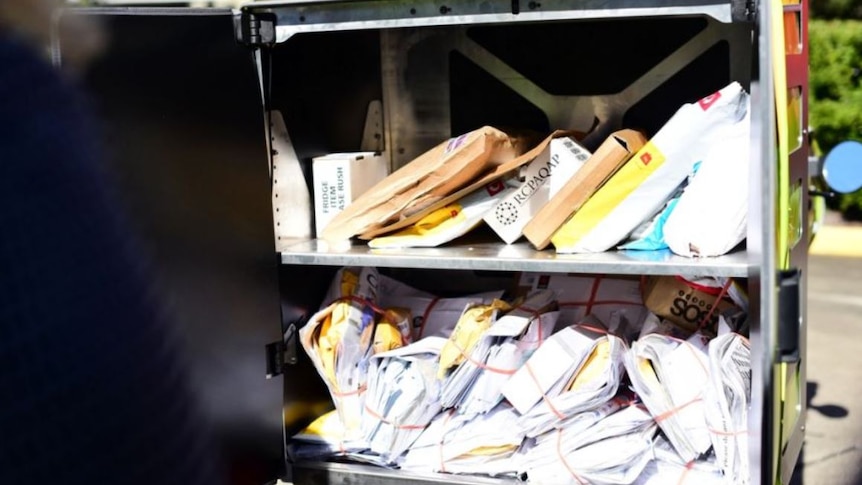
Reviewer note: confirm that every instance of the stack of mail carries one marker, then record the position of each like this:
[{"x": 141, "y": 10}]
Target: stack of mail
[
  {"x": 338, "y": 339},
  {"x": 474, "y": 386},
  {"x": 600, "y": 295},
  {"x": 576, "y": 369},
  {"x": 667, "y": 467},
  {"x": 670, "y": 376},
  {"x": 431, "y": 315},
  {"x": 594, "y": 383},
  {"x": 456, "y": 443},
  {"x": 436, "y": 317},
  {"x": 473, "y": 322},
  {"x": 403, "y": 397},
  {"x": 613, "y": 450},
  {"x": 728, "y": 396},
  {"x": 321, "y": 439}
]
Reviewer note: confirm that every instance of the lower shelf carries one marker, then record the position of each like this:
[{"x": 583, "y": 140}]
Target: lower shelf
[{"x": 322, "y": 473}]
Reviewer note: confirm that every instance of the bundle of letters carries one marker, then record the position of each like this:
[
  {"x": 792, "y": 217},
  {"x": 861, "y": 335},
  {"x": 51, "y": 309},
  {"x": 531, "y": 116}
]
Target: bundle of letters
[{"x": 557, "y": 380}]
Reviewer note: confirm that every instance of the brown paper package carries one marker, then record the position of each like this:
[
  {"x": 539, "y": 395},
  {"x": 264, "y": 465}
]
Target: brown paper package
[
  {"x": 687, "y": 307},
  {"x": 430, "y": 177},
  {"x": 486, "y": 178}
]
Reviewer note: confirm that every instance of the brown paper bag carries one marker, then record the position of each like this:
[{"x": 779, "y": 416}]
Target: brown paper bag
[
  {"x": 681, "y": 302},
  {"x": 489, "y": 176},
  {"x": 430, "y": 177}
]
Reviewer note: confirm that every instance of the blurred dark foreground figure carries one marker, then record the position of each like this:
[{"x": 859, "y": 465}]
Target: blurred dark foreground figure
[{"x": 91, "y": 388}]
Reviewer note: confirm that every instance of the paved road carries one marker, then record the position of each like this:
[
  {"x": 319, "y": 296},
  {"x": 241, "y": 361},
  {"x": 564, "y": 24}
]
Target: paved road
[{"x": 833, "y": 445}]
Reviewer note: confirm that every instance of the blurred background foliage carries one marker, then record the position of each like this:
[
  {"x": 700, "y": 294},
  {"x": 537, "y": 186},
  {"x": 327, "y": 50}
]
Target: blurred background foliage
[{"x": 835, "y": 107}]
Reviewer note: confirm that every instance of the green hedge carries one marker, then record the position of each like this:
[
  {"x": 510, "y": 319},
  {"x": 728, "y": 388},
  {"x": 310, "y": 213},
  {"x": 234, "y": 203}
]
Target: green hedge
[{"x": 835, "y": 104}]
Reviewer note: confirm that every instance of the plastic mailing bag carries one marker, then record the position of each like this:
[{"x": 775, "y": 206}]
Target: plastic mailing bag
[
  {"x": 338, "y": 339},
  {"x": 712, "y": 214},
  {"x": 614, "y": 450},
  {"x": 455, "y": 443},
  {"x": 403, "y": 397},
  {"x": 474, "y": 387},
  {"x": 649, "y": 236},
  {"x": 728, "y": 398},
  {"x": 645, "y": 183},
  {"x": 670, "y": 376}
]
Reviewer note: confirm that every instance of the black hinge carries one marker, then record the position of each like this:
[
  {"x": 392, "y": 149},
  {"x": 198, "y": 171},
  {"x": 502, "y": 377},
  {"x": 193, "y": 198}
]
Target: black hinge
[
  {"x": 280, "y": 355},
  {"x": 743, "y": 10},
  {"x": 255, "y": 29},
  {"x": 789, "y": 314}
]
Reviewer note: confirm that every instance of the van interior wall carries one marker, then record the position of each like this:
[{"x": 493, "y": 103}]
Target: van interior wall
[{"x": 438, "y": 82}]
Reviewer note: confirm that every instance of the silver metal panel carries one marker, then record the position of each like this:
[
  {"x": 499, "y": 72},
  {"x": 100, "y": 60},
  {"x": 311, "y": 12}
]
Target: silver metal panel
[
  {"x": 516, "y": 257},
  {"x": 415, "y": 65},
  {"x": 415, "y": 74},
  {"x": 296, "y": 18},
  {"x": 761, "y": 245}
]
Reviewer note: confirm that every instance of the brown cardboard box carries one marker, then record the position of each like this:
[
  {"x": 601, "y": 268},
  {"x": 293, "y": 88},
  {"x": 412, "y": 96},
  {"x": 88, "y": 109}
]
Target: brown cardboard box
[
  {"x": 495, "y": 173},
  {"x": 609, "y": 157},
  {"x": 433, "y": 175},
  {"x": 675, "y": 299}
]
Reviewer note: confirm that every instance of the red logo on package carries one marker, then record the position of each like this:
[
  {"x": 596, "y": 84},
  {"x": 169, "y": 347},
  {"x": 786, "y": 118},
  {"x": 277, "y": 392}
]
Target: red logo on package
[
  {"x": 646, "y": 158},
  {"x": 708, "y": 101},
  {"x": 494, "y": 187},
  {"x": 453, "y": 213}
]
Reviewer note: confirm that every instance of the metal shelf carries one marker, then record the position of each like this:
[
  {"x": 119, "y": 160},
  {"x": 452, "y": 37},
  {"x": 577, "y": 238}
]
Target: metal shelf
[
  {"x": 333, "y": 15},
  {"x": 321, "y": 473},
  {"x": 517, "y": 257}
]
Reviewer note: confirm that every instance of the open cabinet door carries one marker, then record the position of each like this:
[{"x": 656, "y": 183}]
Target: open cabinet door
[
  {"x": 182, "y": 116},
  {"x": 778, "y": 237}
]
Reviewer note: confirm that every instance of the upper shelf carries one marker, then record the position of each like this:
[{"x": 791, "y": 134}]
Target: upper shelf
[
  {"x": 332, "y": 15},
  {"x": 517, "y": 257}
]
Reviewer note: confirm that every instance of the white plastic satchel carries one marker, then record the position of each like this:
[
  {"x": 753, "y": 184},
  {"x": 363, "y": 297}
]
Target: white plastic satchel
[
  {"x": 711, "y": 216},
  {"x": 645, "y": 183}
]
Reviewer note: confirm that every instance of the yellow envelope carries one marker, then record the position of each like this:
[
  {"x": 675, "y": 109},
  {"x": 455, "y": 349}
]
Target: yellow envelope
[{"x": 472, "y": 324}]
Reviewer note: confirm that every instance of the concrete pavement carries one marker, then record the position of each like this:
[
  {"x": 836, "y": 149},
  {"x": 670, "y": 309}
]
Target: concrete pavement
[{"x": 833, "y": 443}]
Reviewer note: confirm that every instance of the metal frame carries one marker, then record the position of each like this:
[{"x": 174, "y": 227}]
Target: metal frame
[
  {"x": 761, "y": 256},
  {"x": 757, "y": 262},
  {"x": 334, "y": 15}
]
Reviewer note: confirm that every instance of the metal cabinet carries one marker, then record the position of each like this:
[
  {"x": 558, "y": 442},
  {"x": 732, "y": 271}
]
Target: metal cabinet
[{"x": 398, "y": 76}]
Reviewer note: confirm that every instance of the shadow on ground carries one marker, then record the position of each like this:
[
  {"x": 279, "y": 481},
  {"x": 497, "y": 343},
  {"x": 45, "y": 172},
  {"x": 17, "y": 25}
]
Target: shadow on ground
[{"x": 833, "y": 411}]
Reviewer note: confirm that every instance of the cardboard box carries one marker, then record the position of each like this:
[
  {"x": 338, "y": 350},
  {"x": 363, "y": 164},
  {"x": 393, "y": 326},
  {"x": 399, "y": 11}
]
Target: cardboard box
[
  {"x": 483, "y": 179},
  {"x": 557, "y": 163},
  {"x": 566, "y": 148},
  {"x": 684, "y": 303},
  {"x": 609, "y": 157},
  {"x": 339, "y": 178}
]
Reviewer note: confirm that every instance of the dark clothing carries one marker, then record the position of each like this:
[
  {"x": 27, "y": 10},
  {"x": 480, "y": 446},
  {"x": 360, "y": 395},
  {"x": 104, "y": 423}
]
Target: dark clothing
[{"x": 91, "y": 390}]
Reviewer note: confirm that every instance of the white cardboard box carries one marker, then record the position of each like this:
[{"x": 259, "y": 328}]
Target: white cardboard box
[
  {"x": 339, "y": 178},
  {"x": 542, "y": 177}
]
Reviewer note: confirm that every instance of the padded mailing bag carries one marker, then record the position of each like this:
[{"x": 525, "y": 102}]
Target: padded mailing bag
[
  {"x": 711, "y": 216},
  {"x": 645, "y": 183}
]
